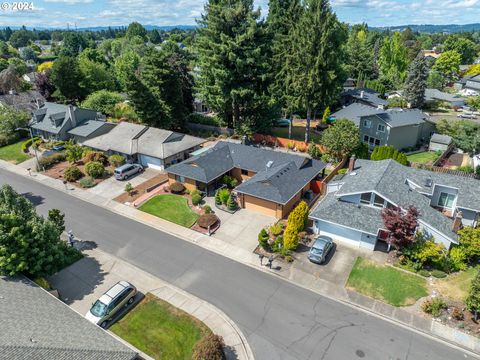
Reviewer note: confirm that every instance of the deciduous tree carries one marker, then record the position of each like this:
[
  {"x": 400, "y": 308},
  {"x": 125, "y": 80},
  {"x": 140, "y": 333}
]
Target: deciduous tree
[
  {"x": 401, "y": 225},
  {"x": 341, "y": 138}
]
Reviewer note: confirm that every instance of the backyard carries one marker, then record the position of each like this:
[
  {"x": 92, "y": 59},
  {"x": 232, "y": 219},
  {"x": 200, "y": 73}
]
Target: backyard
[
  {"x": 160, "y": 329},
  {"x": 424, "y": 157},
  {"x": 298, "y": 131},
  {"x": 386, "y": 283},
  {"x": 173, "y": 208},
  {"x": 13, "y": 153}
]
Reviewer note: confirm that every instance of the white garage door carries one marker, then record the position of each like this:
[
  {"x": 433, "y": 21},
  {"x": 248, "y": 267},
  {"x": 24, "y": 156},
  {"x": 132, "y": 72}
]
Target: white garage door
[
  {"x": 151, "y": 162},
  {"x": 345, "y": 235}
]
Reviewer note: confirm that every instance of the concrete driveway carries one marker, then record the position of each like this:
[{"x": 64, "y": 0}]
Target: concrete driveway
[{"x": 111, "y": 188}]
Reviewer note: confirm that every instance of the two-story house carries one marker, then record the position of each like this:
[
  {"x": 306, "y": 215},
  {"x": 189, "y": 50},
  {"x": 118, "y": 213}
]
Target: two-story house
[
  {"x": 401, "y": 128},
  {"x": 469, "y": 85},
  {"x": 351, "y": 210}
]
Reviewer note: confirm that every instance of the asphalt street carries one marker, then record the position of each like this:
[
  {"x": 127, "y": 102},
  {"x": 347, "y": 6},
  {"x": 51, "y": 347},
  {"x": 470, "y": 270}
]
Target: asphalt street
[{"x": 280, "y": 320}]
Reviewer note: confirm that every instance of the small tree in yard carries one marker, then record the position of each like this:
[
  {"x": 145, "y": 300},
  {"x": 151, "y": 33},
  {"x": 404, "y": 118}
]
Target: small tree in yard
[
  {"x": 341, "y": 138},
  {"x": 263, "y": 239},
  {"x": 297, "y": 220},
  {"x": 313, "y": 151},
  {"x": 326, "y": 115},
  {"x": 401, "y": 225},
  {"x": 231, "y": 203},
  {"x": 58, "y": 218},
  {"x": 129, "y": 188},
  {"x": 73, "y": 152},
  {"x": 210, "y": 347},
  {"x": 473, "y": 298},
  {"x": 218, "y": 199}
]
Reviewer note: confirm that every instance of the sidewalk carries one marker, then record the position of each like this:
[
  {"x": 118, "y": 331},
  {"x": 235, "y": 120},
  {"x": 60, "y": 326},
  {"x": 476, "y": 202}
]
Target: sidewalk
[
  {"x": 297, "y": 276},
  {"x": 85, "y": 281}
]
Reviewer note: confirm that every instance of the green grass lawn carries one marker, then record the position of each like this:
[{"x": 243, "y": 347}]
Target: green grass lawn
[
  {"x": 160, "y": 329},
  {"x": 456, "y": 286},
  {"x": 386, "y": 283},
  {"x": 13, "y": 153},
  {"x": 173, "y": 208},
  {"x": 423, "y": 157}
]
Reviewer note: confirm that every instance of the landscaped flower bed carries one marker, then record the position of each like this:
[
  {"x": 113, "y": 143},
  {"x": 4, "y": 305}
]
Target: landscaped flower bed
[{"x": 225, "y": 200}]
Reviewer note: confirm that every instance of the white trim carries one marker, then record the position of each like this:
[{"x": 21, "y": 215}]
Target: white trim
[
  {"x": 347, "y": 227},
  {"x": 441, "y": 233}
]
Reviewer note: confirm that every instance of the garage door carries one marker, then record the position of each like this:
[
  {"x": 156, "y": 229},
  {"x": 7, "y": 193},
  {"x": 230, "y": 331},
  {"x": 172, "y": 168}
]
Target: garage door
[
  {"x": 260, "y": 205},
  {"x": 345, "y": 235},
  {"x": 151, "y": 162}
]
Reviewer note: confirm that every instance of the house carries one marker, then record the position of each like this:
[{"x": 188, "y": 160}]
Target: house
[
  {"x": 36, "y": 325},
  {"x": 152, "y": 147},
  {"x": 200, "y": 107},
  {"x": 363, "y": 96},
  {"x": 469, "y": 85},
  {"x": 351, "y": 210},
  {"x": 440, "y": 142},
  {"x": 26, "y": 101},
  {"x": 401, "y": 128},
  {"x": 62, "y": 122},
  {"x": 434, "y": 95},
  {"x": 270, "y": 182}
]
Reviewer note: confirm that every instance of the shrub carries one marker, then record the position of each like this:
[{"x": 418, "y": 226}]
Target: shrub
[
  {"x": 43, "y": 283},
  {"x": 73, "y": 152},
  {"x": 468, "y": 169},
  {"x": 276, "y": 229},
  {"x": 207, "y": 209},
  {"x": 129, "y": 188},
  {"x": 194, "y": 192},
  {"x": 434, "y": 306},
  {"x": 210, "y": 347},
  {"x": 277, "y": 245},
  {"x": 48, "y": 161},
  {"x": 116, "y": 160},
  {"x": 457, "y": 259},
  {"x": 177, "y": 188},
  {"x": 95, "y": 156},
  {"x": 301, "y": 148},
  {"x": 313, "y": 151},
  {"x": 289, "y": 258},
  {"x": 342, "y": 171},
  {"x": 224, "y": 195},
  {"x": 326, "y": 158},
  {"x": 87, "y": 182},
  {"x": 72, "y": 173},
  {"x": 218, "y": 199},
  {"x": 290, "y": 145},
  {"x": 196, "y": 199},
  {"x": 263, "y": 239},
  {"x": 207, "y": 220},
  {"x": 290, "y": 238},
  {"x": 439, "y": 274},
  {"x": 424, "y": 272},
  {"x": 457, "y": 314},
  {"x": 95, "y": 169},
  {"x": 230, "y": 181},
  {"x": 27, "y": 143},
  {"x": 231, "y": 203}
]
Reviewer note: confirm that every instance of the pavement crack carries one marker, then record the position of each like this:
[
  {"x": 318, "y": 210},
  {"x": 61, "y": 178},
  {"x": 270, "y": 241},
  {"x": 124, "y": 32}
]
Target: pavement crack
[{"x": 266, "y": 307}]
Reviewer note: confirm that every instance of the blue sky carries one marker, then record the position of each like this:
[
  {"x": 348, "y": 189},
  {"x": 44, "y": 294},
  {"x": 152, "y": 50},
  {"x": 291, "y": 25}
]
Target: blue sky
[{"x": 57, "y": 13}]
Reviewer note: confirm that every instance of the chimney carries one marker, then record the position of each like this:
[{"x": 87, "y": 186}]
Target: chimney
[
  {"x": 71, "y": 111},
  {"x": 351, "y": 164},
  {"x": 457, "y": 222}
]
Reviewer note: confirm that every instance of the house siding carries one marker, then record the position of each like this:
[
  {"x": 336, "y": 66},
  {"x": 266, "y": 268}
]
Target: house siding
[
  {"x": 469, "y": 217},
  {"x": 405, "y": 136},
  {"x": 442, "y": 189},
  {"x": 437, "y": 236},
  {"x": 372, "y": 130}
]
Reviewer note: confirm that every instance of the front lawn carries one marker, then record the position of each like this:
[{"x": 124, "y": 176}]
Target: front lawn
[
  {"x": 423, "y": 157},
  {"x": 173, "y": 208},
  {"x": 160, "y": 329},
  {"x": 456, "y": 286},
  {"x": 13, "y": 153},
  {"x": 386, "y": 283}
]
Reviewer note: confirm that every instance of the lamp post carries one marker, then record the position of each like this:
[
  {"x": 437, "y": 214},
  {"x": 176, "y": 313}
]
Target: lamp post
[{"x": 34, "y": 147}]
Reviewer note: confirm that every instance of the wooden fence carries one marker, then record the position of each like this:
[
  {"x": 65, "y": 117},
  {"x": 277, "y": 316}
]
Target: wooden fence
[
  {"x": 444, "y": 170},
  {"x": 216, "y": 129},
  {"x": 274, "y": 141}
]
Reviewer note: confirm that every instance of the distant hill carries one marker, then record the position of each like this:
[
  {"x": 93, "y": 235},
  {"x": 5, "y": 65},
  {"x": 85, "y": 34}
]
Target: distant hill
[
  {"x": 428, "y": 28},
  {"x": 100, "y": 28}
]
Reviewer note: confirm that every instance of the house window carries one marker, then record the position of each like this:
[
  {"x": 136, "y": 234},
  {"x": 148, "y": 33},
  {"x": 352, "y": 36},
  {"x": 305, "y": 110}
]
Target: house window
[
  {"x": 367, "y": 124},
  {"x": 365, "y": 138},
  {"x": 381, "y": 127},
  {"x": 446, "y": 200},
  {"x": 378, "y": 201},
  {"x": 244, "y": 172},
  {"x": 179, "y": 178},
  {"x": 377, "y": 142},
  {"x": 371, "y": 140},
  {"x": 365, "y": 198}
]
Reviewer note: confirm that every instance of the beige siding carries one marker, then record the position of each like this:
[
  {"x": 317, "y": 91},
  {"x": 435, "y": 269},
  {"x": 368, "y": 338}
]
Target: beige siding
[
  {"x": 237, "y": 174},
  {"x": 262, "y": 206},
  {"x": 189, "y": 184}
]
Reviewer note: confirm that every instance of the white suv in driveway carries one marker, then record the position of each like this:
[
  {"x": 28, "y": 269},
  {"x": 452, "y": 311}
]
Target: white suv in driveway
[{"x": 110, "y": 303}]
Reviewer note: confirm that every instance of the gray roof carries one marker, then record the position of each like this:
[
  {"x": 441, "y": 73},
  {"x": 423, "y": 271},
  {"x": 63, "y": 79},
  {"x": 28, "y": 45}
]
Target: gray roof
[
  {"x": 26, "y": 100},
  {"x": 286, "y": 175},
  {"x": 388, "y": 178},
  {"x": 88, "y": 127},
  {"x": 366, "y": 95},
  {"x": 355, "y": 111},
  {"x": 435, "y": 94},
  {"x": 128, "y": 138},
  {"x": 441, "y": 139},
  {"x": 36, "y": 325}
]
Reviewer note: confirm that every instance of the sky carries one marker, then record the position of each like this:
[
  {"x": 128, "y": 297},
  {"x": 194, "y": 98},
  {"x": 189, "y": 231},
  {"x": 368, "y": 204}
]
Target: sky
[{"x": 83, "y": 13}]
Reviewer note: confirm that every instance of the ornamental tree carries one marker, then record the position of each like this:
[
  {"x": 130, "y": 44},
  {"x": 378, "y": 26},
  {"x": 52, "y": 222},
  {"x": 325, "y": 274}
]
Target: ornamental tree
[
  {"x": 473, "y": 298},
  {"x": 341, "y": 138},
  {"x": 401, "y": 225}
]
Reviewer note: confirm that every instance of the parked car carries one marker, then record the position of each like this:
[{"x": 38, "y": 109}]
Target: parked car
[
  {"x": 125, "y": 171},
  {"x": 467, "y": 116},
  {"x": 58, "y": 148},
  {"x": 320, "y": 249},
  {"x": 104, "y": 309}
]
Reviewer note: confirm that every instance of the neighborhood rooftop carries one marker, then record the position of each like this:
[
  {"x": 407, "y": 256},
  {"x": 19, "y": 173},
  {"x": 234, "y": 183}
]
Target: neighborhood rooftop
[
  {"x": 36, "y": 325},
  {"x": 366, "y": 95}
]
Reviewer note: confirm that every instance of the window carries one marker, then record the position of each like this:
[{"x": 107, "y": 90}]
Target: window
[
  {"x": 365, "y": 138},
  {"x": 378, "y": 201},
  {"x": 365, "y": 198},
  {"x": 179, "y": 178},
  {"x": 446, "y": 200},
  {"x": 371, "y": 140},
  {"x": 377, "y": 142},
  {"x": 381, "y": 127},
  {"x": 367, "y": 124},
  {"x": 244, "y": 172}
]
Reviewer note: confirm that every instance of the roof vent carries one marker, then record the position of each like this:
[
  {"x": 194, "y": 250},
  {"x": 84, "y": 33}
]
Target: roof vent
[
  {"x": 429, "y": 182},
  {"x": 269, "y": 164}
]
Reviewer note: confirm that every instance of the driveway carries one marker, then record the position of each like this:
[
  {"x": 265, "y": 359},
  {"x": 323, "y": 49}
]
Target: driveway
[
  {"x": 111, "y": 187},
  {"x": 240, "y": 228}
]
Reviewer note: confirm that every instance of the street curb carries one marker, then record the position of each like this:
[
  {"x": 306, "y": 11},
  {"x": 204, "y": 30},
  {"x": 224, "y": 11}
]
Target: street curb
[{"x": 104, "y": 204}]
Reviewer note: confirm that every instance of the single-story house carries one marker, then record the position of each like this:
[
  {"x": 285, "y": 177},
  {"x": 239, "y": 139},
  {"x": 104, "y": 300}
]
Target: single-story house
[
  {"x": 270, "y": 182},
  {"x": 363, "y": 96},
  {"x": 351, "y": 210},
  {"x": 433, "y": 95},
  {"x": 37, "y": 325},
  {"x": 152, "y": 147},
  {"x": 400, "y": 128},
  {"x": 26, "y": 100},
  {"x": 62, "y": 122},
  {"x": 440, "y": 142}
]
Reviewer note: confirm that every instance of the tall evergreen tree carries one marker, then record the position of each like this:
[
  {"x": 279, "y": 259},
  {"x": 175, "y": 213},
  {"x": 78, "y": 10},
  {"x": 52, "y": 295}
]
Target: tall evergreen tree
[
  {"x": 231, "y": 58},
  {"x": 416, "y": 82},
  {"x": 313, "y": 66}
]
